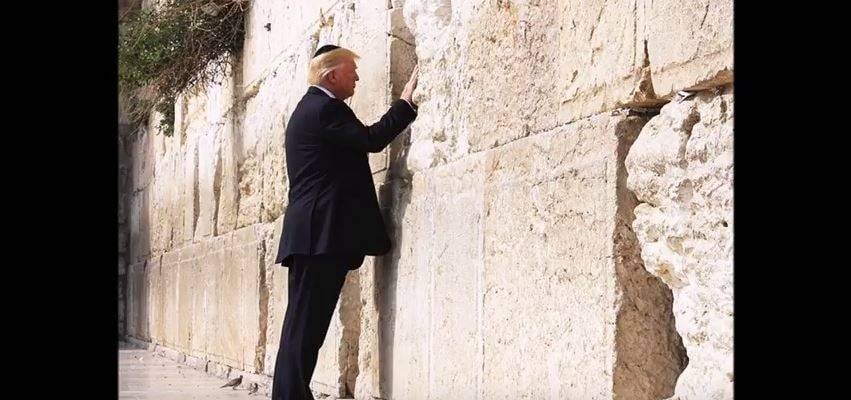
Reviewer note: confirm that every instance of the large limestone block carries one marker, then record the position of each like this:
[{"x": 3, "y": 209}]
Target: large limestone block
[
  {"x": 367, "y": 381},
  {"x": 142, "y": 159},
  {"x": 226, "y": 178},
  {"x": 456, "y": 264},
  {"x": 239, "y": 303},
  {"x": 140, "y": 226},
  {"x": 169, "y": 290},
  {"x": 496, "y": 71},
  {"x": 550, "y": 283},
  {"x": 681, "y": 169},
  {"x": 427, "y": 286},
  {"x": 192, "y": 268},
  {"x": 278, "y": 289},
  {"x": 326, "y": 377},
  {"x": 156, "y": 300},
  {"x": 403, "y": 290},
  {"x": 689, "y": 45},
  {"x": 137, "y": 301},
  {"x": 248, "y": 264},
  {"x": 213, "y": 264},
  {"x": 290, "y": 24}
]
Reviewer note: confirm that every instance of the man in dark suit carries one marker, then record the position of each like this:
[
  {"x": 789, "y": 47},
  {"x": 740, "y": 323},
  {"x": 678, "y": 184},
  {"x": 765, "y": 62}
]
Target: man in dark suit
[{"x": 332, "y": 220}]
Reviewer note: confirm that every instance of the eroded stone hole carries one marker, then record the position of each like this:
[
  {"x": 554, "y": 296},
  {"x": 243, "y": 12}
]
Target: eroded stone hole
[{"x": 650, "y": 355}]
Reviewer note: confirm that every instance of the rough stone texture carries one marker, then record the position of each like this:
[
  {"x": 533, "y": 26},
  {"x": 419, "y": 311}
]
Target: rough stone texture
[
  {"x": 650, "y": 353},
  {"x": 427, "y": 337},
  {"x": 291, "y": 25},
  {"x": 681, "y": 170},
  {"x": 367, "y": 384},
  {"x": 550, "y": 293},
  {"x": 196, "y": 363},
  {"x": 156, "y": 295},
  {"x": 238, "y": 317},
  {"x": 276, "y": 282},
  {"x": 690, "y": 47},
  {"x": 144, "y": 375},
  {"x": 206, "y": 300},
  {"x": 327, "y": 377},
  {"x": 124, "y": 162},
  {"x": 350, "y": 318},
  {"x": 402, "y": 289},
  {"x": 507, "y": 262},
  {"x": 494, "y": 61},
  {"x": 141, "y": 174},
  {"x": 137, "y": 302},
  {"x": 397, "y": 26},
  {"x": 456, "y": 264},
  {"x": 518, "y": 266}
]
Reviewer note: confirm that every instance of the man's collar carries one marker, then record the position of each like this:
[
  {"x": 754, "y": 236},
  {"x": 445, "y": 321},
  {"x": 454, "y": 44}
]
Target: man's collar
[{"x": 328, "y": 92}]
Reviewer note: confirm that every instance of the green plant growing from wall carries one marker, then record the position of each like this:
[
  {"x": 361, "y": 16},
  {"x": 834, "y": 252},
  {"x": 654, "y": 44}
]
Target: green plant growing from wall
[{"x": 175, "y": 46}]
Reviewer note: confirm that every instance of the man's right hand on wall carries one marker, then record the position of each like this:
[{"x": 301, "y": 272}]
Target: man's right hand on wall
[{"x": 408, "y": 91}]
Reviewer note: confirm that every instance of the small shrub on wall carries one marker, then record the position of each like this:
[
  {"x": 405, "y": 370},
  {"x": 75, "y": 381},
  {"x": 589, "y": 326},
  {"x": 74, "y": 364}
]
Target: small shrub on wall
[{"x": 173, "y": 47}]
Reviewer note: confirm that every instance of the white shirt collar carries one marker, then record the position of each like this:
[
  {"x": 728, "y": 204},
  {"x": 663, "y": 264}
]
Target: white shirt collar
[{"x": 328, "y": 92}]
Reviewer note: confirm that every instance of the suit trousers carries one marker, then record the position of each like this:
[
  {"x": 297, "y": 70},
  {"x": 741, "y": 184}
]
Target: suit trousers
[{"x": 314, "y": 285}]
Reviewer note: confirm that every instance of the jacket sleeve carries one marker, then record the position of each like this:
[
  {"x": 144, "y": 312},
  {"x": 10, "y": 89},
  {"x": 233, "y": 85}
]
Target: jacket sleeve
[{"x": 341, "y": 126}]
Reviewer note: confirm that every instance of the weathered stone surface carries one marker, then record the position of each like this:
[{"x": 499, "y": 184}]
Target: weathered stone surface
[
  {"x": 681, "y": 170},
  {"x": 170, "y": 354},
  {"x": 143, "y": 160},
  {"x": 456, "y": 264},
  {"x": 218, "y": 370},
  {"x": 515, "y": 271},
  {"x": 450, "y": 262},
  {"x": 189, "y": 281},
  {"x": 688, "y": 46},
  {"x": 196, "y": 363},
  {"x": 225, "y": 187},
  {"x": 403, "y": 288},
  {"x": 367, "y": 380},
  {"x": 248, "y": 251},
  {"x": 194, "y": 267},
  {"x": 237, "y": 322},
  {"x": 650, "y": 353},
  {"x": 516, "y": 100},
  {"x": 137, "y": 302},
  {"x": 549, "y": 282},
  {"x": 397, "y": 26},
  {"x": 350, "y": 319},
  {"x": 515, "y": 68},
  {"x": 171, "y": 283},
  {"x": 276, "y": 281},
  {"x": 139, "y": 226},
  {"x": 400, "y": 358},
  {"x": 202, "y": 188},
  {"x": 326, "y": 377},
  {"x": 156, "y": 300},
  {"x": 208, "y": 299},
  {"x": 179, "y": 207},
  {"x": 598, "y": 43},
  {"x": 290, "y": 26},
  {"x": 122, "y": 310}
]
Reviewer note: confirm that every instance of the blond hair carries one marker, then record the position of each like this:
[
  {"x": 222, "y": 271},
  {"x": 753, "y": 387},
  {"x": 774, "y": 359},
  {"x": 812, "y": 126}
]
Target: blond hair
[{"x": 327, "y": 62}]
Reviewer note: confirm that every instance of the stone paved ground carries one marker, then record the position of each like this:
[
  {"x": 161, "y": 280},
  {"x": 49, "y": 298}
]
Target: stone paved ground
[{"x": 142, "y": 375}]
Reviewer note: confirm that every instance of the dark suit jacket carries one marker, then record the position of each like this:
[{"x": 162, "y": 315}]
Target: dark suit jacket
[{"x": 333, "y": 209}]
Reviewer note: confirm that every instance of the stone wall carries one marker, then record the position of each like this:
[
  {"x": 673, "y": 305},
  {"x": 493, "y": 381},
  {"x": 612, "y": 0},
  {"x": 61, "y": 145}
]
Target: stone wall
[{"x": 561, "y": 218}]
